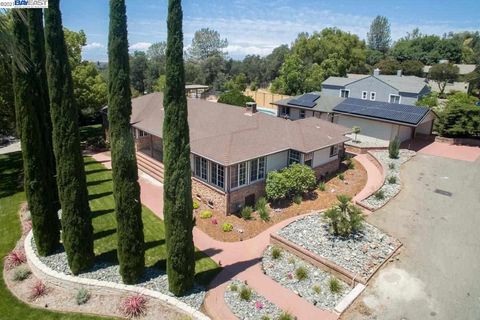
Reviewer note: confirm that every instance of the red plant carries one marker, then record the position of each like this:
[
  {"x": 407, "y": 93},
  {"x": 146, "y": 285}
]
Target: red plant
[
  {"x": 290, "y": 276},
  {"x": 37, "y": 290},
  {"x": 14, "y": 259},
  {"x": 214, "y": 221},
  {"x": 26, "y": 226},
  {"x": 259, "y": 305},
  {"x": 134, "y": 306}
]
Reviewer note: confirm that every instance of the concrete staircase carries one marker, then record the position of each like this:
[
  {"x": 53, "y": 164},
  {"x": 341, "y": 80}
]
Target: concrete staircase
[{"x": 150, "y": 166}]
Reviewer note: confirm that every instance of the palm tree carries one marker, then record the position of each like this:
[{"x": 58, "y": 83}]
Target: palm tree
[{"x": 344, "y": 218}]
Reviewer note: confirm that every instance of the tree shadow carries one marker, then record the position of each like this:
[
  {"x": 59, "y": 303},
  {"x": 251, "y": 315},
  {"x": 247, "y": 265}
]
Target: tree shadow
[
  {"x": 11, "y": 174},
  {"x": 104, "y": 233},
  {"x": 89, "y": 172},
  {"x": 230, "y": 271},
  {"x": 99, "y": 195},
  {"x": 98, "y": 213},
  {"x": 208, "y": 252},
  {"x": 97, "y": 182},
  {"x": 108, "y": 256},
  {"x": 153, "y": 244},
  {"x": 88, "y": 162}
]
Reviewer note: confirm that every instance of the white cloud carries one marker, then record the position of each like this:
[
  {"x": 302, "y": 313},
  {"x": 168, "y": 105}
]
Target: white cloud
[
  {"x": 93, "y": 45},
  {"x": 140, "y": 46}
]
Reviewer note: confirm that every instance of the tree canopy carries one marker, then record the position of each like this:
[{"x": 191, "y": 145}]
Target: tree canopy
[
  {"x": 378, "y": 38},
  {"x": 205, "y": 44}
]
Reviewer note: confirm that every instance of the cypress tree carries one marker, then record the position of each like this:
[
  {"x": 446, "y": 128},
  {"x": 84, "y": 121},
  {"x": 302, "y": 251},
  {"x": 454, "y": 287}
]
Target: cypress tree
[
  {"x": 72, "y": 187},
  {"x": 177, "y": 211},
  {"x": 126, "y": 190},
  {"x": 37, "y": 181},
  {"x": 37, "y": 58}
]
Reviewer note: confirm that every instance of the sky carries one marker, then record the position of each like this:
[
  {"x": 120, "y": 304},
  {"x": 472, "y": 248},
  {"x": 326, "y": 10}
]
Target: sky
[{"x": 257, "y": 27}]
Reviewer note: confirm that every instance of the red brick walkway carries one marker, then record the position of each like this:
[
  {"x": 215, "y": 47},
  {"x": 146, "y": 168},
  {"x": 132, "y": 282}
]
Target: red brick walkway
[{"x": 241, "y": 260}]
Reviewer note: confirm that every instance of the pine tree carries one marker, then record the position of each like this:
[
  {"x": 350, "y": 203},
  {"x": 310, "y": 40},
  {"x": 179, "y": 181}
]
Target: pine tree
[
  {"x": 72, "y": 187},
  {"x": 37, "y": 181},
  {"x": 378, "y": 38},
  {"x": 37, "y": 58},
  {"x": 126, "y": 190},
  {"x": 178, "y": 204}
]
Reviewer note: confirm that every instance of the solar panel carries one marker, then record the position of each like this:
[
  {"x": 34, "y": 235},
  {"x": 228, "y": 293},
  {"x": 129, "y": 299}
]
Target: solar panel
[
  {"x": 307, "y": 100},
  {"x": 382, "y": 110}
]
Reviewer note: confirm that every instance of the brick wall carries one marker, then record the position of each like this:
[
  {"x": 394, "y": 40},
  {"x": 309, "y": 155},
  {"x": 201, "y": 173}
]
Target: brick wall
[
  {"x": 327, "y": 168},
  {"x": 214, "y": 198},
  {"x": 237, "y": 197},
  {"x": 142, "y": 142}
]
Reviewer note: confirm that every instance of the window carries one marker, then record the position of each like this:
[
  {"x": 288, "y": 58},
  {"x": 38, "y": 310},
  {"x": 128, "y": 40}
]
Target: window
[
  {"x": 201, "y": 168},
  {"x": 308, "y": 159},
  {"x": 344, "y": 93},
  {"x": 364, "y": 95},
  {"x": 394, "y": 98},
  {"x": 373, "y": 96},
  {"x": 333, "y": 150},
  {"x": 293, "y": 157},
  {"x": 257, "y": 169},
  {"x": 238, "y": 175},
  {"x": 285, "y": 111},
  {"x": 217, "y": 174},
  {"x": 141, "y": 133},
  {"x": 302, "y": 114}
]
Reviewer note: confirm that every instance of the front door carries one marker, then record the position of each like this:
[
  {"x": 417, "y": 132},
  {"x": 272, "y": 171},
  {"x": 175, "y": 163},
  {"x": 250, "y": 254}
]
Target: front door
[{"x": 250, "y": 200}]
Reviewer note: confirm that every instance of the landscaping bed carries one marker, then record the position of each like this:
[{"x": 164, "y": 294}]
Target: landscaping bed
[
  {"x": 255, "y": 307},
  {"x": 353, "y": 182},
  {"x": 392, "y": 184},
  {"x": 360, "y": 253},
  {"x": 306, "y": 280}
]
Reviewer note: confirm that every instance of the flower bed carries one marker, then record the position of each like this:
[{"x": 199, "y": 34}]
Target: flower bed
[
  {"x": 391, "y": 168},
  {"x": 306, "y": 280},
  {"x": 256, "y": 307},
  {"x": 360, "y": 253}
]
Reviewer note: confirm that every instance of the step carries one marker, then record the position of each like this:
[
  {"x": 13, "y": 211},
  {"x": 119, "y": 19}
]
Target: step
[
  {"x": 145, "y": 158},
  {"x": 155, "y": 174},
  {"x": 149, "y": 164}
]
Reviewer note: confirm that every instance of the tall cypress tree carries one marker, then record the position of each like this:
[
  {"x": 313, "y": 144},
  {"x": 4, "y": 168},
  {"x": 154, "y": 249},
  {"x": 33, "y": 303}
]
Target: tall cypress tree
[
  {"x": 177, "y": 197},
  {"x": 37, "y": 181},
  {"x": 37, "y": 58},
  {"x": 72, "y": 187},
  {"x": 126, "y": 190}
]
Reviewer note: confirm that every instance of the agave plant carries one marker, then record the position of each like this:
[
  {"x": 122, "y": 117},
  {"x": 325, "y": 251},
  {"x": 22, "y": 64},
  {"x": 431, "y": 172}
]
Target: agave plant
[
  {"x": 14, "y": 259},
  {"x": 134, "y": 306}
]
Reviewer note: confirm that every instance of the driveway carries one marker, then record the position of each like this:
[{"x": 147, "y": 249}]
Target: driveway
[{"x": 437, "y": 218}]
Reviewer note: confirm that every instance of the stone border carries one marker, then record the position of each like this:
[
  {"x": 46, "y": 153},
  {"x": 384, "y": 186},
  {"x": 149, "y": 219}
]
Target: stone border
[
  {"x": 349, "y": 298},
  {"x": 327, "y": 265},
  {"x": 67, "y": 281}
]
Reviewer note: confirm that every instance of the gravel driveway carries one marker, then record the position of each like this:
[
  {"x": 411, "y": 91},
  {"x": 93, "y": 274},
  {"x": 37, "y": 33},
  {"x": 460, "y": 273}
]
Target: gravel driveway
[{"x": 437, "y": 218}]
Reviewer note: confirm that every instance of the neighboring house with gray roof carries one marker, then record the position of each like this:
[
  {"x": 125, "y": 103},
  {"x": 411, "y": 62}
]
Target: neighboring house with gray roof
[
  {"x": 461, "y": 86},
  {"x": 233, "y": 149},
  {"x": 377, "y": 87}
]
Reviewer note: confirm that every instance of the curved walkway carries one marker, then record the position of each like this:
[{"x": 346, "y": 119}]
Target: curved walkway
[
  {"x": 375, "y": 176},
  {"x": 242, "y": 260}
]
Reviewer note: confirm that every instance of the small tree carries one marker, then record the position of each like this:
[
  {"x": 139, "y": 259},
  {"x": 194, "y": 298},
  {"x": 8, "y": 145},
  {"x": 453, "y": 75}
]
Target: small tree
[
  {"x": 344, "y": 218},
  {"x": 394, "y": 148},
  {"x": 356, "y": 130},
  {"x": 235, "y": 98},
  {"x": 277, "y": 186},
  {"x": 297, "y": 179},
  {"x": 443, "y": 73}
]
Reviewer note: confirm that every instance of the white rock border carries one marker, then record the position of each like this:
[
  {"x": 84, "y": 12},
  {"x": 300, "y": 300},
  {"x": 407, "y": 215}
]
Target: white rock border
[{"x": 44, "y": 272}]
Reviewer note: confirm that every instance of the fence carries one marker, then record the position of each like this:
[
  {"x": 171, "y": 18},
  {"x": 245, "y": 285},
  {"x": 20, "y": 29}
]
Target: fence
[{"x": 264, "y": 98}]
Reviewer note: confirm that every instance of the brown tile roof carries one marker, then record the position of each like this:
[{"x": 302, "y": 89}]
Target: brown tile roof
[{"x": 228, "y": 134}]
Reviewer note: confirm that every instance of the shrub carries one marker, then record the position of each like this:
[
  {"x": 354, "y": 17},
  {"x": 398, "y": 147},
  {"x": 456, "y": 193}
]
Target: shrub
[
  {"x": 351, "y": 165},
  {"x": 394, "y": 148},
  {"x": 392, "y": 180},
  {"x": 344, "y": 217},
  {"x": 391, "y": 166},
  {"x": 276, "y": 252},
  {"x": 356, "y": 130},
  {"x": 334, "y": 285},
  {"x": 227, "y": 227},
  {"x": 196, "y": 205},
  {"x": 134, "y": 306},
  {"x": 233, "y": 287},
  {"x": 285, "y": 316},
  {"x": 21, "y": 274},
  {"x": 297, "y": 199},
  {"x": 235, "y": 98},
  {"x": 37, "y": 290},
  {"x": 293, "y": 180},
  {"x": 214, "y": 221},
  {"x": 245, "y": 293},
  {"x": 206, "y": 214},
  {"x": 301, "y": 273},
  {"x": 321, "y": 186},
  {"x": 317, "y": 289},
  {"x": 96, "y": 143},
  {"x": 82, "y": 296},
  {"x": 262, "y": 209},
  {"x": 247, "y": 213},
  {"x": 341, "y": 176},
  {"x": 14, "y": 259},
  {"x": 379, "y": 195}
]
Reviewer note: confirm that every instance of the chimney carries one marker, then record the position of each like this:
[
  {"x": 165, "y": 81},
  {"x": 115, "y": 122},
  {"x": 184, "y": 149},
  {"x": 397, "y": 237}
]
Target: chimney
[
  {"x": 251, "y": 107},
  {"x": 376, "y": 72},
  {"x": 399, "y": 73}
]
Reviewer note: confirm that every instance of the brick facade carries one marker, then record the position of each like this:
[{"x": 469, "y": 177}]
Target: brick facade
[
  {"x": 236, "y": 198},
  {"x": 327, "y": 168},
  {"x": 212, "y": 197}
]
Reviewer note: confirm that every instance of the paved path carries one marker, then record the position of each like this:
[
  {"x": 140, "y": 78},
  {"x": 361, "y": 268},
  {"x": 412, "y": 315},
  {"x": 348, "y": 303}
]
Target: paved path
[
  {"x": 375, "y": 177},
  {"x": 241, "y": 260},
  {"x": 14, "y": 147}
]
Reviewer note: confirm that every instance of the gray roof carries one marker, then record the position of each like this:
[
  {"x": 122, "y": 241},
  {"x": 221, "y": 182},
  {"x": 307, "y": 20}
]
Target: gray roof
[
  {"x": 462, "y": 68},
  {"x": 410, "y": 84},
  {"x": 400, "y": 113},
  {"x": 324, "y": 103}
]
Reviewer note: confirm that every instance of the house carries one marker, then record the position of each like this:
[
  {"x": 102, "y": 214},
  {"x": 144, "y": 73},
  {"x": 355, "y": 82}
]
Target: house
[
  {"x": 234, "y": 148},
  {"x": 377, "y": 87},
  {"x": 461, "y": 86},
  {"x": 380, "y": 120}
]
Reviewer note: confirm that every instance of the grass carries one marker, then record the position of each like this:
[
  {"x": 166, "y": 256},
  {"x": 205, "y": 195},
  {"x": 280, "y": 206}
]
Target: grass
[
  {"x": 99, "y": 182},
  {"x": 301, "y": 273},
  {"x": 276, "y": 253},
  {"x": 379, "y": 195},
  {"x": 246, "y": 293},
  {"x": 334, "y": 285}
]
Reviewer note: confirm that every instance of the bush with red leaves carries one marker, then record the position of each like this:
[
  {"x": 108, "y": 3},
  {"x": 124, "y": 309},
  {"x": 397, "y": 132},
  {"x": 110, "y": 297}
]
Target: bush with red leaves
[
  {"x": 134, "y": 306},
  {"x": 14, "y": 259},
  {"x": 39, "y": 289}
]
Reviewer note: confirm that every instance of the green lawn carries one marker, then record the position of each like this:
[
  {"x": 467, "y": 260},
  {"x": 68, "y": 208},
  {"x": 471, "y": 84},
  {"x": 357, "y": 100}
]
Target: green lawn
[
  {"x": 90, "y": 131},
  {"x": 101, "y": 203}
]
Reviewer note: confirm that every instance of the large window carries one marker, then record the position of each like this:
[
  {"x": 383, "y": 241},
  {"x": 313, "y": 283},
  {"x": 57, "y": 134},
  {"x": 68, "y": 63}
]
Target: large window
[
  {"x": 257, "y": 169},
  {"x": 344, "y": 93},
  {"x": 201, "y": 168},
  {"x": 293, "y": 157},
  {"x": 217, "y": 174},
  {"x": 285, "y": 111},
  {"x": 238, "y": 175},
  {"x": 394, "y": 98}
]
